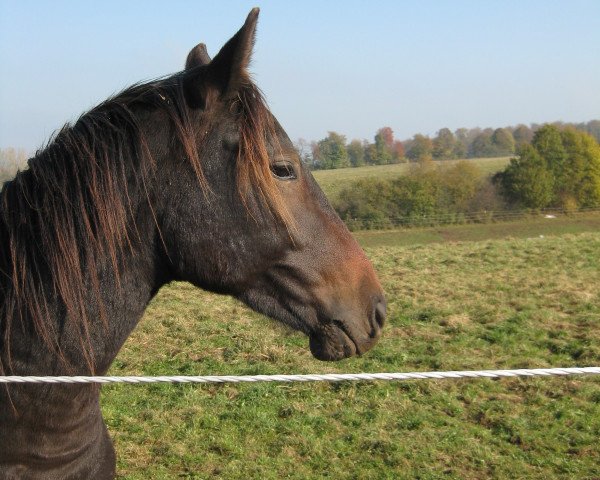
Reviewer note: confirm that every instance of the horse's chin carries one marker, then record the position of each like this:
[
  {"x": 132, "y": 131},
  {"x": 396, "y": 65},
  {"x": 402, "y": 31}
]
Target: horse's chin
[{"x": 331, "y": 344}]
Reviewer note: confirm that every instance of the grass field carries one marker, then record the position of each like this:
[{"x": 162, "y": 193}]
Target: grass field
[
  {"x": 333, "y": 181},
  {"x": 499, "y": 303}
]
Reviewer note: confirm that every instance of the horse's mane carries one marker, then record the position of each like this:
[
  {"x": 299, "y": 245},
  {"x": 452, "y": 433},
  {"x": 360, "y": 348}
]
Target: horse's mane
[{"x": 71, "y": 212}]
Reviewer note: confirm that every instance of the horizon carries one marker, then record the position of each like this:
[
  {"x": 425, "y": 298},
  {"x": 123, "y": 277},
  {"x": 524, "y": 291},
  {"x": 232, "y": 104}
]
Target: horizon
[{"x": 414, "y": 67}]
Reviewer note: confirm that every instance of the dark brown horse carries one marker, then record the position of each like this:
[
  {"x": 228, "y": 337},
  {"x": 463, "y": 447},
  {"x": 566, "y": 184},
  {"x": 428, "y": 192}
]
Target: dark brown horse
[{"x": 190, "y": 178}]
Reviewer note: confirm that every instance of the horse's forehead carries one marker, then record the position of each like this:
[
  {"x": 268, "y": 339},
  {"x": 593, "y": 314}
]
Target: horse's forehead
[{"x": 228, "y": 126}]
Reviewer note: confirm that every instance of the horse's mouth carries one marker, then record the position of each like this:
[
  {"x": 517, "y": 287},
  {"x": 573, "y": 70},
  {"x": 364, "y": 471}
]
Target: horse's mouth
[
  {"x": 329, "y": 339},
  {"x": 334, "y": 341}
]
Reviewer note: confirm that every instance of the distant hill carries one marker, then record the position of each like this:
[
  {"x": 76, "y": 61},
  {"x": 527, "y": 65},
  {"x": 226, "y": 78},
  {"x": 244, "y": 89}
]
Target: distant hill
[{"x": 333, "y": 181}]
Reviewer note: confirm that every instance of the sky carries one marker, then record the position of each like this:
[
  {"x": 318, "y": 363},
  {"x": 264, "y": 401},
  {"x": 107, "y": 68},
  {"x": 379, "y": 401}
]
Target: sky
[{"x": 339, "y": 65}]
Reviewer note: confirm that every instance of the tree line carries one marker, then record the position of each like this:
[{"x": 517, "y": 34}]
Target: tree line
[
  {"x": 559, "y": 168},
  {"x": 334, "y": 151}
]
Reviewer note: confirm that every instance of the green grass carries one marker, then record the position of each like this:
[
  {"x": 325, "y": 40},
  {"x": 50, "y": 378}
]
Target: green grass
[
  {"x": 333, "y": 181},
  {"x": 500, "y": 303}
]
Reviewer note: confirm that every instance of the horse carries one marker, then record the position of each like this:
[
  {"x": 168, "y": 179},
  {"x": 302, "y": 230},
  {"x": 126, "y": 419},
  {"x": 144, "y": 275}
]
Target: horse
[{"x": 188, "y": 177}]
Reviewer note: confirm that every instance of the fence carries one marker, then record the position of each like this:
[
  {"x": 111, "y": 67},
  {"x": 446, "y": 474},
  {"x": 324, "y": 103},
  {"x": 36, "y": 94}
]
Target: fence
[
  {"x": 330, "y": 377},
  {"x": 459, "y": 218}
]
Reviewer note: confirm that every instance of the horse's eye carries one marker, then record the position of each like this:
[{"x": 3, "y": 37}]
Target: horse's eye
[{"x": 283, "y": 171}]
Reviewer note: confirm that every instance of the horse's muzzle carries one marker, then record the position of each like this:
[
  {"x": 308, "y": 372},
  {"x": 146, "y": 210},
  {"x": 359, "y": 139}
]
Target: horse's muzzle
[{"x": 338, "y": 339}]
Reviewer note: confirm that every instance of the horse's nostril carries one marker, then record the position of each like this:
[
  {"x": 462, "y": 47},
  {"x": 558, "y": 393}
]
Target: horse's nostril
[
  {"x": 377, "y": 317},
  {"x": 380, "y": 312}
]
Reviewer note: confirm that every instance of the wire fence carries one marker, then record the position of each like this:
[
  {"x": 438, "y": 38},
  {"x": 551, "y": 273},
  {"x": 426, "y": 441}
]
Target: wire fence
[
  {"x": 329, "y": 377},
  {"x": 459, "y": 218}
]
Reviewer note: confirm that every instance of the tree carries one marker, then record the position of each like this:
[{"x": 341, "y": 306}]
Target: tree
[
  {"x": 459, "y": 184},
  {"x": 461, "y": 143},
  {"x": 356, "y": 153},
  {"x": 366, "y": 203},
  {"x": 444, "y": 145},
  {"x": 548, "y": 143},
  {"x": 561, "y": 166},
  {"x": 332, "y": 151},
  {"x": 370, "y": 153},
  {"x": 383, "y": 155},
  {"x": 522, "y": 134},
  {"x": 482, "y": 145},
  {"x": 580, "y": 176},
  {"x": 527, "y": 180},
  {"x": 398, "y": 152},
  {"x": 503, "y": 142},
  {"x": 384, "y": 143},
  {"x": 420, "y": 148},
  {"x": 386, "y": 135}
]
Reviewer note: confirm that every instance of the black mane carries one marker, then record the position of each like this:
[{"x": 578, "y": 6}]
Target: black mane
[{"x": 74, "y": 207}]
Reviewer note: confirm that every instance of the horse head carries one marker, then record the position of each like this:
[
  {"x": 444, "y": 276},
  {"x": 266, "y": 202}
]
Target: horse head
[{"x": 253, "y": 223}]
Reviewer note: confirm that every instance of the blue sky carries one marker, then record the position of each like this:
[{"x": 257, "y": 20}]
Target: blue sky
[{"x": 348, "y": 66}]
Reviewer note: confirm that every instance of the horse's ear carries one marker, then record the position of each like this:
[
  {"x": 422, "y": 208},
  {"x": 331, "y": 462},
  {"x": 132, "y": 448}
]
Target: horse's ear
[
  {"x": 197, "y": 57},
  {"x": 229, "y": 68},
  {"x": 226, "y": 73}
]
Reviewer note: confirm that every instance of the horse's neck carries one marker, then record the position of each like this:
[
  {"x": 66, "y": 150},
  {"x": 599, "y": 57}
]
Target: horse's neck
[
  {"x": 58, "y": 429},
  {"x": 110, "y": 320},
  {"x": 61, "y": 426},
  {"x": 113, "y": 302}
]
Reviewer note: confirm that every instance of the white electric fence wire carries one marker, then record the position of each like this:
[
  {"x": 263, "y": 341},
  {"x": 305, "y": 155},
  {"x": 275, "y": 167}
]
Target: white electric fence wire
[{"x": 329, "y": 377}]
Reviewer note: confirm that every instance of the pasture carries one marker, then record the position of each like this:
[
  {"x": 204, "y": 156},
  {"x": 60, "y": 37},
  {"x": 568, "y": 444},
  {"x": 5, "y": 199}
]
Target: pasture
[
  {"x": 333, "y": 181},
  {"x": 490, "y": 303}
]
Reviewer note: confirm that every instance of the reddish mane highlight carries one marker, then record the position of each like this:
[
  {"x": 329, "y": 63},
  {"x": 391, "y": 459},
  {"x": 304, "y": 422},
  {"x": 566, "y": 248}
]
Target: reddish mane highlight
[{"x": 257, "y": 134}]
